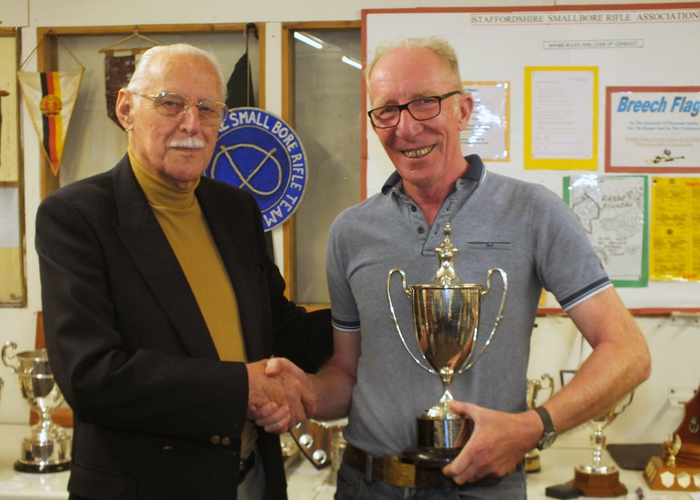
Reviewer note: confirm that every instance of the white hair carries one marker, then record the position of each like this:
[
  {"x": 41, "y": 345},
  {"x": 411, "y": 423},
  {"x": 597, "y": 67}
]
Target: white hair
[{"x": 143, "y": 77}]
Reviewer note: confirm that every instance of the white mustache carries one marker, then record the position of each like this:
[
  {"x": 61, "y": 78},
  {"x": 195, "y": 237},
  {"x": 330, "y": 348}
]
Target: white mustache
[{"x": 189, "y": 142}]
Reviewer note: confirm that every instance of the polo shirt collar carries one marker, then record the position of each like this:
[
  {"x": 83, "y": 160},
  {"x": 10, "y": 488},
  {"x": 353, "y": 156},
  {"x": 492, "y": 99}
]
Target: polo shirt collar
[{"x": 475, "y": 172}]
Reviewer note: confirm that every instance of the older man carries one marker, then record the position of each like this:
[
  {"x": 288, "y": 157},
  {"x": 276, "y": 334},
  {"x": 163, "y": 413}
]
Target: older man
[
  {"x": 418, "y": 112},
  {"x": 161, "y": 305}
]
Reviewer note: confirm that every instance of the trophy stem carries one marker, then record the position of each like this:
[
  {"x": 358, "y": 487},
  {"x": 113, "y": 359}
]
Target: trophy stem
[{"x": 447, "y": 397}]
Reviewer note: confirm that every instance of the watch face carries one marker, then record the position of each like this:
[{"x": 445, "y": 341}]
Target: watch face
[{"x": 547, "y": 441}]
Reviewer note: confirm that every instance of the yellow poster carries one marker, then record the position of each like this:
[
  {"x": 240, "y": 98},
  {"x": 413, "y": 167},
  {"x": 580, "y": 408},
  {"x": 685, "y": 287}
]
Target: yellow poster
[{"x": 675, "y": 229}]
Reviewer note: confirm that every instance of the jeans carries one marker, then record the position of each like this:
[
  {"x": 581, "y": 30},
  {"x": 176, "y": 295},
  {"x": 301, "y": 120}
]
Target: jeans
[{"x": 353, "y": 485}]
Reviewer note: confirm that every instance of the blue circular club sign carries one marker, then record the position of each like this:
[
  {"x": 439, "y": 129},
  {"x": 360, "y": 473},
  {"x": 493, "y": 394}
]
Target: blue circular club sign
[{"x": 259, "y": 152}]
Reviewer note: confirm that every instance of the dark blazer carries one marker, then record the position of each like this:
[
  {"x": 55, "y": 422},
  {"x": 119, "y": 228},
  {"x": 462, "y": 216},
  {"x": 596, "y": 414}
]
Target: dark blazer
[{"x": 131, "y": 352}]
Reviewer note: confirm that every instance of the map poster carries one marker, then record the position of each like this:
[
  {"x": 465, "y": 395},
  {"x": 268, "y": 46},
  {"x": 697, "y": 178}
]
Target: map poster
[
  {"x": 652, "y": 129},
  {"x": 613, "y": 212},
  {"x": 675, "y": 229}
]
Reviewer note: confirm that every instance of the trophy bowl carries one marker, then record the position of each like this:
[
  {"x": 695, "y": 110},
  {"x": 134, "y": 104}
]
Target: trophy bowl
[
  {"x": 47, "y": 446},
  {"x": 446, "y": 324}
]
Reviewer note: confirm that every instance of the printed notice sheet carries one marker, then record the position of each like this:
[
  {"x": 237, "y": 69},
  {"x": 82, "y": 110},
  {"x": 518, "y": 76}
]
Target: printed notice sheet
[
  {"x": 675, "y": 229},
  {"x": 612, "y": 211},
  {"x": 561, "y": 118}
]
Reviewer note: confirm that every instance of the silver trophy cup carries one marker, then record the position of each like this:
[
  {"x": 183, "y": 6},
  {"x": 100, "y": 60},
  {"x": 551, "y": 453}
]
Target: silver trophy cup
[
  {"x": 446, "y": 324},
  {"x": 596, "y": 479},
  {"x": 47, "y": 447}
]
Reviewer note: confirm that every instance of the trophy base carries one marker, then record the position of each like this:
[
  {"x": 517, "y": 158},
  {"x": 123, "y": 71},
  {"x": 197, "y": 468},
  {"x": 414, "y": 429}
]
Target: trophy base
[
  {"x": 452, "y": 431},
  {"x": 682, "y": 477},
  {"x": 532, "y": 462},
  {"x": 46, "y": 449},
  {"x": 599, "y": 485},
  {"x": 439, "y": 440},
  {"x": 40, "y": 468},
  {"x": 427, "y": 457}
]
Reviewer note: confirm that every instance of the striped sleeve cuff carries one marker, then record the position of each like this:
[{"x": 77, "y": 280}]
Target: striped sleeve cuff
[
  {"x": 585, "y": 293},
  {"x": 346, "y": 326}
]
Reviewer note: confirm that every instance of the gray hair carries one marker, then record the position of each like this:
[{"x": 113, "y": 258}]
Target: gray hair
[
  {"x": 142, "y": 76},
  {"x": 436, "y": 45}
]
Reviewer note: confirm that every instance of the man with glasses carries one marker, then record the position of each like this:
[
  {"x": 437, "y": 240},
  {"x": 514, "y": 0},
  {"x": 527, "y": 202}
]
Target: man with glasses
[
  {"x": 418, "y": 111},
  {"x": 161, "y": 304}
]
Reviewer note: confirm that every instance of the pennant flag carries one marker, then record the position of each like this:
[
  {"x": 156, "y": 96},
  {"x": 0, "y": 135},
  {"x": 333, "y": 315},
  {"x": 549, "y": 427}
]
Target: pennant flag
[
  {"x": 50, "y": 98},
  {"x": 118, "y": 72}
]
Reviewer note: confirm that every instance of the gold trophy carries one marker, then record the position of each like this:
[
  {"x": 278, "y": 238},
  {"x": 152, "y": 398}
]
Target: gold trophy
[
  {"x": 534, "y": 386},
  {"x": 446, "y": 323},
  {"x": 47, "y": 447},
  {"x": 679, "y": 467},
  {"x": 597, "y": 479}
]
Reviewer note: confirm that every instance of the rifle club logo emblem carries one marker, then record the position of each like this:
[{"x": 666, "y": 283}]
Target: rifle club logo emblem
[{"x": 260, "y": 153}]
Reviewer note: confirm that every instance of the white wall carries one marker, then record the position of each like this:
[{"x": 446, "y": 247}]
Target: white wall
[{"x": 674, "y": 344}]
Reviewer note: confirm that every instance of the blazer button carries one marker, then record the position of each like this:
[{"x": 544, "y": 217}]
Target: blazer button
[
  {"x": 215, "y": 440},
  {"x": 225, "y": 441}
]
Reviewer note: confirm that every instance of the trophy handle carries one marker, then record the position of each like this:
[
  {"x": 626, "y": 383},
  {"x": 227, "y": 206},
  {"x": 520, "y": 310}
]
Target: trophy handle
[
  {"x": 499, "y": 317},
  {"x": 393, "y": 314},
  {"x": 5, "y": 358},
  {"x": 550, "y": 383}
]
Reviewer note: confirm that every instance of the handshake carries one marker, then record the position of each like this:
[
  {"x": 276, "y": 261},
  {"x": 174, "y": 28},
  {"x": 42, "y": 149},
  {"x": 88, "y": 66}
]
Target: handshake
[{"x": 280, "y": 395}]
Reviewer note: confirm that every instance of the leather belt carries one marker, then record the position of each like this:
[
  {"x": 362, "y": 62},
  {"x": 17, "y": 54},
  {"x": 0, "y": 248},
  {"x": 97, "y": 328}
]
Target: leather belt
[
  {"x": 391, "y": 471},
  {"x": 245, "y": 466}
]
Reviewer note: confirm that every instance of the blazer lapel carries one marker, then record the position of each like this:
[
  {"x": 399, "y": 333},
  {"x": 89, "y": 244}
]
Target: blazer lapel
[{"x": 148, "y": 247}]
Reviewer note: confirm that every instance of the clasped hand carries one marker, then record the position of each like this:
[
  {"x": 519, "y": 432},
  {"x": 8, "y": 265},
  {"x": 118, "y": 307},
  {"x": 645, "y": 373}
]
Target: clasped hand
[{"x": 280, "y": 395}]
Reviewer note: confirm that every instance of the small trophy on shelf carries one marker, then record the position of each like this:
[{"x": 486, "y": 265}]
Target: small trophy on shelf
[
  {"x": 597, "y": 479},
  {"x": 47, "y": 448},
  {"x": 534, "y": 386},
  {"x": 679, "y": 466}
]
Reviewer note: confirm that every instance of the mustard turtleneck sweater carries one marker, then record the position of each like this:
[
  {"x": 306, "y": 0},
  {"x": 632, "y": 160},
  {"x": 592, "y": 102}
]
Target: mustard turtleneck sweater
[{"x": 181, "y": 218}]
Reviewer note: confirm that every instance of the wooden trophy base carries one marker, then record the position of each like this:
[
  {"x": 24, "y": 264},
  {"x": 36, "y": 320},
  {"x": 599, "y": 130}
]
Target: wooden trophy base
[
  {"x": 599, "y": 485},
  {"x": 532, "y": 462},
  {"x": 682, "y": 477}
]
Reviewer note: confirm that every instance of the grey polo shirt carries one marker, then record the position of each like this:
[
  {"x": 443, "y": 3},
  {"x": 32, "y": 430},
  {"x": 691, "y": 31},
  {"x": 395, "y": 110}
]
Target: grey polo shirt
[{"x": 497, "y": 222}]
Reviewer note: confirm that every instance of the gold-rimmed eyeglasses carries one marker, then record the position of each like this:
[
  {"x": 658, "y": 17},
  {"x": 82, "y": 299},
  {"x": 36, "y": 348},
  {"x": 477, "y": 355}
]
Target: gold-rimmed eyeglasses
[
  {"x": 172, "y": 105},
  {"x": 423, "y": 108}
]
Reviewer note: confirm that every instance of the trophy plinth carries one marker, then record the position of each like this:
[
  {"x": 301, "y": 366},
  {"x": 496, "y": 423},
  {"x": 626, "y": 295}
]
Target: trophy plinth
[
  {"x": 599, "y": 484},
  {"x": 673, "y": 471},
  {"x": 446, "y": 323},
  {"x": 534, "y": 386},
  {"x": 47, "y": 447},
  {"x": 679, "y": 466},
  {"x": 597, "y": 479}
]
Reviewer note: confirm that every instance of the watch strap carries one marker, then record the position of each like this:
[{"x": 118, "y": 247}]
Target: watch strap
[
  {"x": 549, "y": 434},
  {"x": 546, "y": 419}
]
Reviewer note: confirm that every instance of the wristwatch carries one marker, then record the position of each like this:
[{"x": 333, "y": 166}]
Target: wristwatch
[{"x": 550, "y": 433}]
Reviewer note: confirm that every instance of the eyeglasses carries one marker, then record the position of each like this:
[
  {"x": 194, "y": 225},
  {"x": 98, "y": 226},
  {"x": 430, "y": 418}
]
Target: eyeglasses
[
  {"x": 423, "y": 108},
  {"x": 210, "y": 112}
]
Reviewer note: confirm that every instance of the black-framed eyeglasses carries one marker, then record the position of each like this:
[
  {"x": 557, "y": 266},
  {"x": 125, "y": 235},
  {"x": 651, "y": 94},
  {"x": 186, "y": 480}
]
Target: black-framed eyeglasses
[
  {"x": 172, "y": 105},
  {"x": 423, "y": 108}
]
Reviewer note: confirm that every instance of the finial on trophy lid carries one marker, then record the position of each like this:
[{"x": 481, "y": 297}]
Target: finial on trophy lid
[{"x": 446, "y": 273}]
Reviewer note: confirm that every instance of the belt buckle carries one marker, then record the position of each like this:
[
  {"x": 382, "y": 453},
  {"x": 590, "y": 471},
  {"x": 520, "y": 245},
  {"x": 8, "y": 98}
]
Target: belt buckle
[{"x": 398, "y": 473}]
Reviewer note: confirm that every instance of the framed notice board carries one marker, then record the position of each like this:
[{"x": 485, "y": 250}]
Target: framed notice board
[{"x": 536, "y": 53}]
